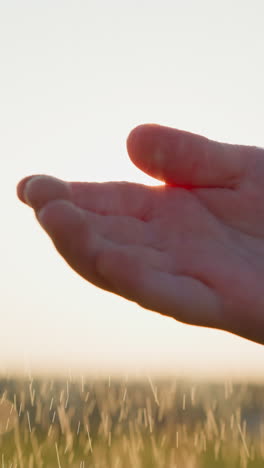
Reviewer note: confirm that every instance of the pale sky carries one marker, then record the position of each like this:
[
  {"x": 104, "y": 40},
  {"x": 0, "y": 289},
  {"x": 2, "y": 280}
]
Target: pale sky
[{"x": 75, "y": 78}]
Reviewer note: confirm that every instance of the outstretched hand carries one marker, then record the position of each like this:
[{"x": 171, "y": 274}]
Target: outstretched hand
[{"x": 192, "y": 249}]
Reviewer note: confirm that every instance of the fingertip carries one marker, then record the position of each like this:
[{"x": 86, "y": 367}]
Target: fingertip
[
  {"x": 38, "y": 190},
  {"x": 20, "y": 189},
  {"x": 137, "y": 137}
]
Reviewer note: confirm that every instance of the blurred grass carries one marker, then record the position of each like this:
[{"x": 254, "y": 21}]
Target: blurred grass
[{"x": 98, "y": 423}]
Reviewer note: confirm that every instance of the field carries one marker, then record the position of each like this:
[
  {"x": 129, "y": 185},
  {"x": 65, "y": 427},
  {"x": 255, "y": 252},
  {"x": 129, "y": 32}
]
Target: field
[{"x": 123, "y": 423}]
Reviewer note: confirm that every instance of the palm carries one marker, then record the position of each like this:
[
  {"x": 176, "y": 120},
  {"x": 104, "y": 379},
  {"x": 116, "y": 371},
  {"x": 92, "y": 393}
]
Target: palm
[{"x": 195, "y": 254}]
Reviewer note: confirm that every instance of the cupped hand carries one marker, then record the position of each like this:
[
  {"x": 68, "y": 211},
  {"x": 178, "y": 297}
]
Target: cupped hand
[{"x": 192, "y": 249}]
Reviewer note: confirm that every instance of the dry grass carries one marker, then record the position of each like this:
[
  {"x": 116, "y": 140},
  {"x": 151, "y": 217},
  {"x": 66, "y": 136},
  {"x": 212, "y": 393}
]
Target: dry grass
[{"x": 96, "y": 423}]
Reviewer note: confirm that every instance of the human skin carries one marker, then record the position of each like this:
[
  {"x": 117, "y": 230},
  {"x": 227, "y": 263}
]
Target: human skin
[{"x": 191, "y": 249}]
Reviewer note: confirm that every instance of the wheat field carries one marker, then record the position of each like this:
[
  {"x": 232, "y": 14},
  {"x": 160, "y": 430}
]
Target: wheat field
[{"x": 91, "y": 422}]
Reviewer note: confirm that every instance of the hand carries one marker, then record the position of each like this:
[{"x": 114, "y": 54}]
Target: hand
[{"x": 192, "y": 249}]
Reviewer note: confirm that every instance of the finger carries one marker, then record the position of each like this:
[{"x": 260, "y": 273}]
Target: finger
[
  {"x": 108, "y": 198},
  {"x": 74, "y": 239},
  {"x": 123, "y": 230},
  {"x": 183, "y": 298},
  {"x": 38, "y": 190},
  {"x": 21, "y": 187},
  {"x": 114, "y": 198},
  {"x": 185, "y": 159}
]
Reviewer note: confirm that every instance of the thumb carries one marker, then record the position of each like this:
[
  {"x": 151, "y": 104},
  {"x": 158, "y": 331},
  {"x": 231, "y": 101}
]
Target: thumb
[{"x": 185, "y": 159}]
